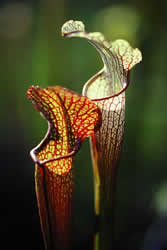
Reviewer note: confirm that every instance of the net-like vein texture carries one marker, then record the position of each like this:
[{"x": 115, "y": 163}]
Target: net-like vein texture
[
  {"x": 118, "y": 58},
  {"x": 106, "y": 89},
  {"x": 71, "y": 118}
]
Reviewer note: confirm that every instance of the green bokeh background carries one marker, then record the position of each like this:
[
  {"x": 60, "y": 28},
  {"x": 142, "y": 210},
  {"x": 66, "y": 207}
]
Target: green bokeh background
[{"x": 32, "y": 52}]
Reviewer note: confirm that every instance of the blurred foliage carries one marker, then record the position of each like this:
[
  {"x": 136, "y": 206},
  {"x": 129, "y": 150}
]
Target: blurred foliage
[{"x": 34, "y": 53}]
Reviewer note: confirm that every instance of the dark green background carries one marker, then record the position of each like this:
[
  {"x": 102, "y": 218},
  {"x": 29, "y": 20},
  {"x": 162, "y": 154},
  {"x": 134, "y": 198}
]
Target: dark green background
[{"x": 32, "y": 51}]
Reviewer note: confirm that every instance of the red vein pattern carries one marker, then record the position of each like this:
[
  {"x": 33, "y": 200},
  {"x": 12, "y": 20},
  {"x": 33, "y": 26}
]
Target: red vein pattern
[
  {"x": 106, "y": 145},
  {"x": 71, "y": 118},
  {"x": 106, "y": 89},
  {"x": 109, "y": 137}
]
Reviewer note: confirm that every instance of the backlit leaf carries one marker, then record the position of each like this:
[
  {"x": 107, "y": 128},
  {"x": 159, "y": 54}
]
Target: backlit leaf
[
  {"x": 71, "y": 118},
  {"x": 118, "y": 58},
  {"x": 107, "y": 90}
]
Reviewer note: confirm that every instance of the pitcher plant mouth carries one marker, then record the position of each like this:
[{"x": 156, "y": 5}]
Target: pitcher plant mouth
[
  {"x": 34, "y": 151},
  {"x": 107, "y": 89},
  {"x": 71, "y": 118},
  {"x": 94, "y": 78}
]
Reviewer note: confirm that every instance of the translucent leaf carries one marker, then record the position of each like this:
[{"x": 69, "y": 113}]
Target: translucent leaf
[
  {"x": 118, "y": 57},
  {"x": 71, "y": 118},
  {"x": 107, "y": 90}
]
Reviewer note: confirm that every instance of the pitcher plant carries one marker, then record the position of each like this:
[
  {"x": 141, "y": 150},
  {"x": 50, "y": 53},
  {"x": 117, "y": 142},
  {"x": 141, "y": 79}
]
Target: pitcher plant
[
  {"x": 71, "y": 118},
  {"x": 107, "y": 90}
]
